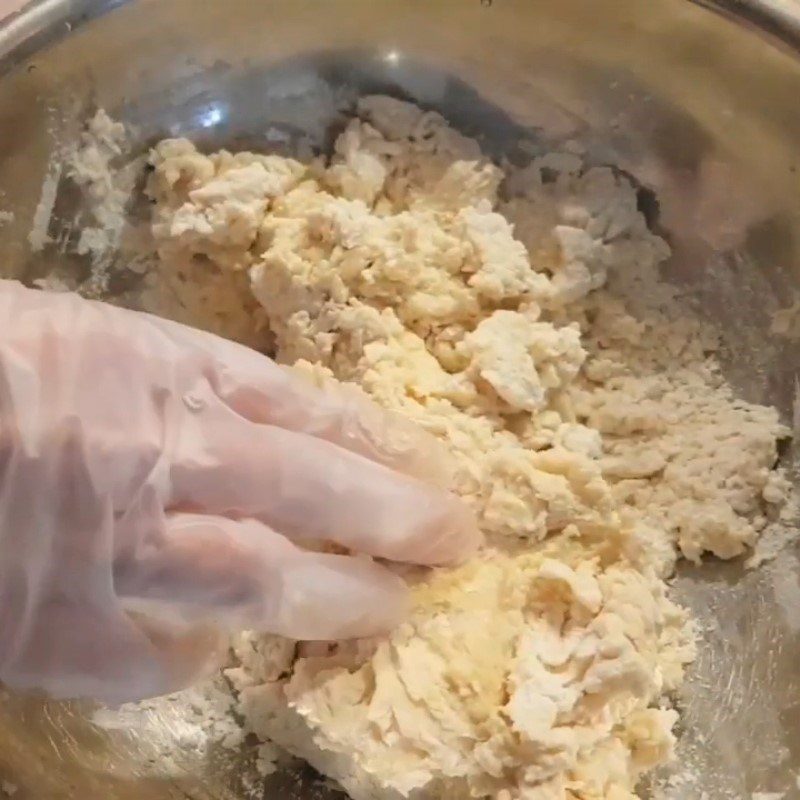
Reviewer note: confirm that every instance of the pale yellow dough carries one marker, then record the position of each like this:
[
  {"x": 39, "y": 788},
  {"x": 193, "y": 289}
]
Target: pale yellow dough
[{"x": 518, "y": 316}]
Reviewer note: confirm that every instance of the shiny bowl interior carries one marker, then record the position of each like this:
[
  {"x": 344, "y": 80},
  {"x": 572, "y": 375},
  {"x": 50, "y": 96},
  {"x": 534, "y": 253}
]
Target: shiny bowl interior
[{"x": 662, "y": 89}]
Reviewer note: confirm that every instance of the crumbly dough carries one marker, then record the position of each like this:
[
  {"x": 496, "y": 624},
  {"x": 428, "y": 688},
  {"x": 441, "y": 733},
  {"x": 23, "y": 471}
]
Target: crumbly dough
[{"x": 517, "y": 315}]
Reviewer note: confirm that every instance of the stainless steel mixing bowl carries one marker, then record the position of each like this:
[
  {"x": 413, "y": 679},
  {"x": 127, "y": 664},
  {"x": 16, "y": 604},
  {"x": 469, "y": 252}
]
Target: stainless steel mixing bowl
[{"x": 699, "y": 101}]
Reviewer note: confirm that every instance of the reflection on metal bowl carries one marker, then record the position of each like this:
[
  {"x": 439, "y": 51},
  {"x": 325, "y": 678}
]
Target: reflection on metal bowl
[{"x": 697, "y": 101}]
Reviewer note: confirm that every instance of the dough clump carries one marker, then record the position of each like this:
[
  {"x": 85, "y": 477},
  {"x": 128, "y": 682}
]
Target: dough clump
[{"x": 518, "y": 315}]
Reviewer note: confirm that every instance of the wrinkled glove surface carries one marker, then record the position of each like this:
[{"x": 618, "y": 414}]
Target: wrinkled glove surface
[{"x": 157, "y": 484}]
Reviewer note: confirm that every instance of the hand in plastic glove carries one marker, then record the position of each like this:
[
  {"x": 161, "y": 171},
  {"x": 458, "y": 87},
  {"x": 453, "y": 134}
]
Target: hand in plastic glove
[
  {"x": 8, "y": 7},
  {"x": 153, "y": 482}
]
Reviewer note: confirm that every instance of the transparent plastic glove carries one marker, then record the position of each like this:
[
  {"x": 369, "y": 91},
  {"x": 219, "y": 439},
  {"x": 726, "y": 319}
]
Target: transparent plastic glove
[
  {"x": 155, "y": 482},
  {"x": 8, "y": 7}
]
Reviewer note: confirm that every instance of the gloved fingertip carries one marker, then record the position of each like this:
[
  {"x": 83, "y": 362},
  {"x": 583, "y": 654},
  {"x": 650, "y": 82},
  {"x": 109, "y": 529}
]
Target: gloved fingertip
[
  {"x": 449, "y": 536},
  {"x": 462, "y": 538},
  {"x": 328, "y": 597}
]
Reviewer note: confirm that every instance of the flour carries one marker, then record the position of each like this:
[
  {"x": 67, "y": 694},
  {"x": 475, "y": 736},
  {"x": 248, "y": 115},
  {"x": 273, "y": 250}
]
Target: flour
[
  {"x": 519, "y": 316},
  {"x": 38, "y": 236},
  {"x": 194, "y": 720},
  {"x": 777, "y": 536},
  {"x": 106, "y": 190}
]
